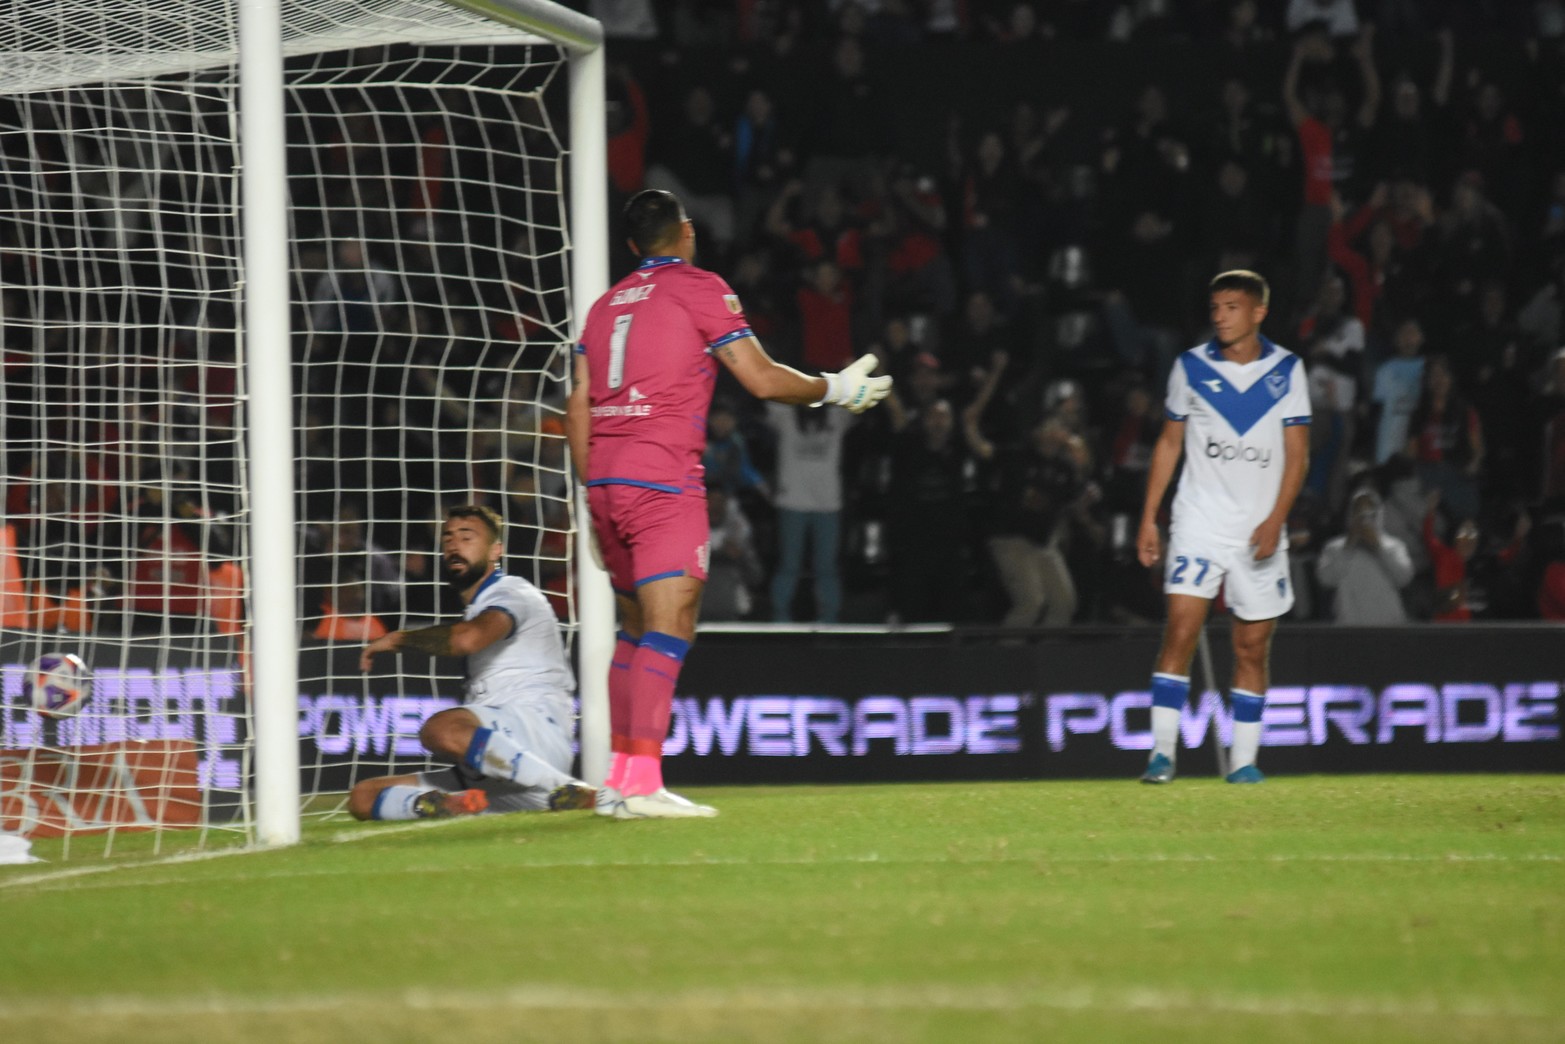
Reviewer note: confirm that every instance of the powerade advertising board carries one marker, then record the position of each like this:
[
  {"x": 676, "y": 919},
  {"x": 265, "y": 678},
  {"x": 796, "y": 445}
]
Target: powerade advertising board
[{"x": 882, "y": 707}]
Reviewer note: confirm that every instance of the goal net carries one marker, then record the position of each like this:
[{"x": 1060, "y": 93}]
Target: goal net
[{"x": 431, "y": 323}]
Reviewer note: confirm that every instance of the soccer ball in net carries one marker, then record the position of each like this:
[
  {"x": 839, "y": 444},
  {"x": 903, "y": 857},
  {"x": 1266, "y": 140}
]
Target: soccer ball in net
[{"x": 57, "y": 684}]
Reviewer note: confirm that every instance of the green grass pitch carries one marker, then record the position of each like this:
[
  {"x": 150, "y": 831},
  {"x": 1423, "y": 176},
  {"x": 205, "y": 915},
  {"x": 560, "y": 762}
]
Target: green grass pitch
[{"x": 1375, "y": 908}]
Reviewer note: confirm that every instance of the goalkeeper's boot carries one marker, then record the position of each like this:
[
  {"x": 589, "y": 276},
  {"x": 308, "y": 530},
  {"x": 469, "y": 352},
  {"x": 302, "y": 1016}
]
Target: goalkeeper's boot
[
  {"x": 1245, "y": 774},
  {"x": 437, "y": 804},
  {"x": 1159, "y": 770},
  {"x": 661, "y": 804},
  {"x": 572, "y": 795},
  {"x": 608, "y": 799}
]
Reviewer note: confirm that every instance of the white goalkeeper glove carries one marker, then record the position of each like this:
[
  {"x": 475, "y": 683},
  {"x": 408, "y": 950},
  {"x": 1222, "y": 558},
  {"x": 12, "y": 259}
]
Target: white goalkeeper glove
[{"x": 854, "y": 389}]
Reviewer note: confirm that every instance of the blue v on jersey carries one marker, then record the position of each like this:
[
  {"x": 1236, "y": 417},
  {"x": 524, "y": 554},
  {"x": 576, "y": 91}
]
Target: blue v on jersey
[{"x": 1234, "y": 415}]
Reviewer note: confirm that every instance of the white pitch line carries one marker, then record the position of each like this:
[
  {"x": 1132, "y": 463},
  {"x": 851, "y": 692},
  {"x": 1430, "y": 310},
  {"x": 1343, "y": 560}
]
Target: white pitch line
[
  {"x": 51, "y": 876},
  {"x": 910, "y": 997},
  {"x": 70, "y": 879}
]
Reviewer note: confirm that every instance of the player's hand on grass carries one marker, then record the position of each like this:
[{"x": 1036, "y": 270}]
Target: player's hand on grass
[
  {"x": 1266, "y": 537},
  {"x": 1149, "y": 544},
  {"x": 385, "y": 643},
  {"x": 854, "y": 389}
]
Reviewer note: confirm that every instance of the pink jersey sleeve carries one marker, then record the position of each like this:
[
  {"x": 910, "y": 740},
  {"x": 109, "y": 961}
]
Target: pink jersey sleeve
[{"x": 714, "y": 308}]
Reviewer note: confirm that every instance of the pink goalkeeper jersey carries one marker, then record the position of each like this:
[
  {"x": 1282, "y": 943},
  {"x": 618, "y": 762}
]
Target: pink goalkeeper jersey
[{"x": 649, "y": 343}]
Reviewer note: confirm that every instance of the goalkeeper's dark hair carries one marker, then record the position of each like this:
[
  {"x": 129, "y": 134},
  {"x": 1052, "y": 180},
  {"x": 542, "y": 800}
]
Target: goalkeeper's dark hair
[
  {"x": 487, "y": 515},
  {"x": 1245, "y": 281},
  {"x": 652, "y": 220}
]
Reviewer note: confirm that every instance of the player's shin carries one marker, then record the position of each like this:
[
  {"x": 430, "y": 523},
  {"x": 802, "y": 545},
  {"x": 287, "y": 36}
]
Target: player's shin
[
  {"x": 497, "y": 756},
  {"x": 654, "y": 674},
  {"x": 1247, "y": 728},
  {"x": 619, "y": 707},
  {"x": 1169, "y": 693}
]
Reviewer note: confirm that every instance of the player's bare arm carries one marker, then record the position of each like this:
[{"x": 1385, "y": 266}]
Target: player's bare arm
[
  {"x": 1296, "y": 462},
  {"x": 1165, "y": 459},
  {"x": 459, "y": 639},
  {"x": 578, "y": 418},
  {"x": 766, "y": 378}
]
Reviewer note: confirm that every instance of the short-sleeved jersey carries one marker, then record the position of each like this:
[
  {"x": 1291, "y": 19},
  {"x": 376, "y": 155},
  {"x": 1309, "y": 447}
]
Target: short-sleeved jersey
[
  {"x": 1235, "y": 415},
  {"x": 528, "y": 665},
  {"x": 648, "y": 344}
]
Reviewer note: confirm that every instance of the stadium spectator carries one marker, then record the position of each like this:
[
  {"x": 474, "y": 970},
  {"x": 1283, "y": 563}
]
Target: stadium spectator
[
  {"x": 726, "y": 459},
  {"x": 926, "y": 524},
  {"x": 1365, "y": 567},
  {"x": 1399, "y": 383},
  {"x": 1549, "y": 412},
  {"x": 765, "y": 158},
  {"x": 1446, "y": 440},
  {"x": 1339, "y": 17},
  {"x": 354, "y": 294},
  {"x": 1408, "y": 137},
  {"x": 694, "y": 160},
  {"x": 1472, "y": 244},
  {"x": 825, "y": 304},
  {"x": 735, "y": 569},
  {"x": 1040, "y": 495},
  {"x": 1333, "y": 341},
  {"x": 809, "y": 505},
  {"x": 1449, "y": 561}
]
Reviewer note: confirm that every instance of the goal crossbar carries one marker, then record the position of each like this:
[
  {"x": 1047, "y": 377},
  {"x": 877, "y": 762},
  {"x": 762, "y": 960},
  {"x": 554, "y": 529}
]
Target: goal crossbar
[{"x": 50, "y": 46}]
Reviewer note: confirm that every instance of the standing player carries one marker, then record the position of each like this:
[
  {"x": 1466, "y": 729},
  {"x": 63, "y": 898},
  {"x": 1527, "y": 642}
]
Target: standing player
[
  {"x": 1238, "y": 409},
  {"x": 511, "y": 740},
  {"x": 636, "y": 420}
]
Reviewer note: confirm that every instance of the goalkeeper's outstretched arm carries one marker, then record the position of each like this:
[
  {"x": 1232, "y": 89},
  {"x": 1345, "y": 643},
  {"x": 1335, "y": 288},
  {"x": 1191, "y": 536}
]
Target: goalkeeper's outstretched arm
[{"x": 765, "y": 378}]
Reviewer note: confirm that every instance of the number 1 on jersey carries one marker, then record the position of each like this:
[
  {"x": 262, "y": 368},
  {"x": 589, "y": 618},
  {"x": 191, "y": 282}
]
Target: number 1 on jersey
[{"x": 617, "y": 350}]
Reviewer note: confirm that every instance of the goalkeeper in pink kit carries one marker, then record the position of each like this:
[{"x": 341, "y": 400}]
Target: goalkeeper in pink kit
[{"x": 636, "y": 421}]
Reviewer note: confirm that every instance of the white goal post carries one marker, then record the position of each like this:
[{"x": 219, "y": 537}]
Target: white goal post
[{"x": 105, "y": 104}]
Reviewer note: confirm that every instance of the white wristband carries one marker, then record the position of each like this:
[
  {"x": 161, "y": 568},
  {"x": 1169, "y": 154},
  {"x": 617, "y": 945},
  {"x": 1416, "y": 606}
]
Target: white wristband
[{"x": 833, "y": 390}]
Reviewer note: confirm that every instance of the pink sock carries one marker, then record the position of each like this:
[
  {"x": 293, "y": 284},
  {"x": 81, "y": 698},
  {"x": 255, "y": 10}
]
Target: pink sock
[
  {"x": 654, "y": 673},
  {"x": 643, "y": 774},
  {"x": 617, "y": 769}
]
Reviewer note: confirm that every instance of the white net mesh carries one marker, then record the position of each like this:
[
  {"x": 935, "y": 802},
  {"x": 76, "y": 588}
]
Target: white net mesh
[{"x": 431, "y": 321}]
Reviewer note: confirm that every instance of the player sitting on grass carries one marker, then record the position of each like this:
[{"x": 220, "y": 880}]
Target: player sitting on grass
[
  {"x": 511, "y": 740},
  {"x": 1238, "y": 411}
]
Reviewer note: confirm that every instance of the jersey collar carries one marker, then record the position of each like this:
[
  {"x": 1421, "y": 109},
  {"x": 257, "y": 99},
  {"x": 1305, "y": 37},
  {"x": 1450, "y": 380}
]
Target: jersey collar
[
  {"x": 489, "y": 581},
  {"x": 659, "y": 262},
  {"x": 1215, "y": 351}
]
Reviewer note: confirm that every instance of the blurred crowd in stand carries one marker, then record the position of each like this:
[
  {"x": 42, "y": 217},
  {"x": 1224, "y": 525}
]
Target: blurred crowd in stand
[{"x": 1016, "y": 206}]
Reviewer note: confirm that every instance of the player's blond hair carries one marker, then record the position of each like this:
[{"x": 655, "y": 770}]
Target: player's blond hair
[{"x": 1244, "y": 281}]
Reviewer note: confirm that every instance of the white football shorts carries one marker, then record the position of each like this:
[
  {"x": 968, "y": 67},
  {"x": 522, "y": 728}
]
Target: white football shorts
[
  {"x": 1253, "y": 590},
  {"x": 533, "y": 729}
]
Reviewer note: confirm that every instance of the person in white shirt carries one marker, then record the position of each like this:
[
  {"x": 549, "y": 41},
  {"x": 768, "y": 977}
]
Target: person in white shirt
[
  {"x": 510, "y": 741},
  {"x": 1238, "y": 412},
  {"x": 809, "y": 504},
  {"x": 1366, "y": 566}
]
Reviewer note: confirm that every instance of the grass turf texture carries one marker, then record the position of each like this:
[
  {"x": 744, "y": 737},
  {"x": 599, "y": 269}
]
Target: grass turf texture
[{"x": 1317, "y": 908}]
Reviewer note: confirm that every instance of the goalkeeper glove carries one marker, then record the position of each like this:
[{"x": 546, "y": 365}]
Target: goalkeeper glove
[{"x": 854, "y": 389}]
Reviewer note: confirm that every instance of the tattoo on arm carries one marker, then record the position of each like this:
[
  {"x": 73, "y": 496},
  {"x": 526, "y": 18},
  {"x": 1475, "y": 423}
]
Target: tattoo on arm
[
  {"x": 433, "y": 640},
  {"x": 727, "y": 353}
]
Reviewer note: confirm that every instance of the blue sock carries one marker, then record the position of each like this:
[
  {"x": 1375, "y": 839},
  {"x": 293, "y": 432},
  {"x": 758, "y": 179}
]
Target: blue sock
[
  {"x": 395, "y": 803},
  {"x": 1247, "y": 727}
]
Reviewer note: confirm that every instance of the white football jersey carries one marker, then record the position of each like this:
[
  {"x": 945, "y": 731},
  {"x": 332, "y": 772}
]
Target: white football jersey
[
  {"x": 528, "y": 665},
  {"x": 1234, "y": 418}
]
